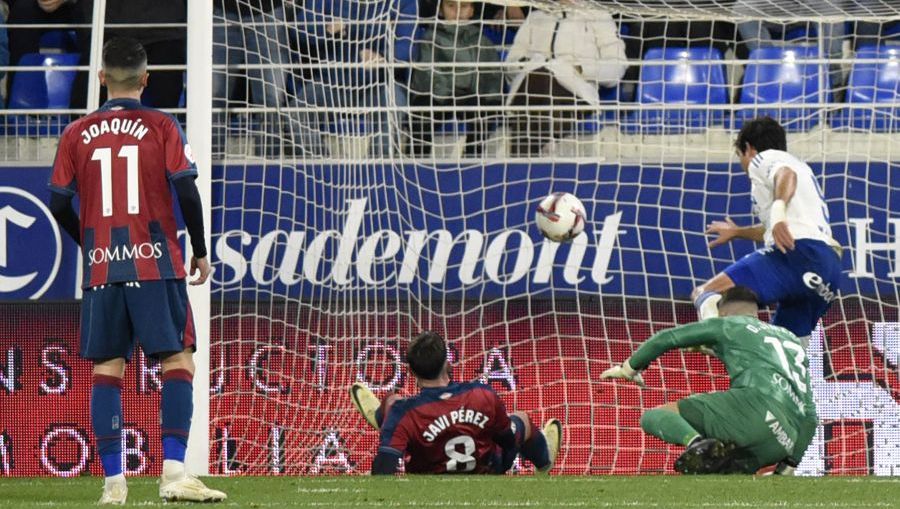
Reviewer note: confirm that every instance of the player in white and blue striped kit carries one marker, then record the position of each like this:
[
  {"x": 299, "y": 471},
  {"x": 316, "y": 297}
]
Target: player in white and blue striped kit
[{"x": 800, "y": 267}]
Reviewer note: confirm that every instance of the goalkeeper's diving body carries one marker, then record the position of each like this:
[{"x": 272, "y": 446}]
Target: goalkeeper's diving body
[
  {"x": 451, "y": 427},
  {"x": 766, "y": 417},
  {"x": 800, "y": 267}
]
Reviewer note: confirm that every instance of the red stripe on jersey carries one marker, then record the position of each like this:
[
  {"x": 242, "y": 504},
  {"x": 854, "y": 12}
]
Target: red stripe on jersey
[
  {"x": 145, "y": 267},
  {"x": 189, "y": 338}
]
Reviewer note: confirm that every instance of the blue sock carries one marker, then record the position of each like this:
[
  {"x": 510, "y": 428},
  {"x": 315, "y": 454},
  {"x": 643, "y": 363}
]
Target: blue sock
[
  {"x": 535, "y": 449},
  {"x": 106, "y": 418},
  {"x": 176, "y": 408}
]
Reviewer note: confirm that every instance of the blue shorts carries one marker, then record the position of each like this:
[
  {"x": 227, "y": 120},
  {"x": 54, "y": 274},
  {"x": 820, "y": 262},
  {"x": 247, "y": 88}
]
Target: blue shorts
[
  {"x": 803, "y": 282},
  {"x": 155, "y": 314}
]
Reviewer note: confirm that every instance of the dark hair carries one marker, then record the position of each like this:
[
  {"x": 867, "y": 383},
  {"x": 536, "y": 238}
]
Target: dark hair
[
  {"x": 738, "y": 294},
  {"x": 763, "y": 133},
  {"x": 427, "y": 355},
  {"x": 124, "y": 62}
]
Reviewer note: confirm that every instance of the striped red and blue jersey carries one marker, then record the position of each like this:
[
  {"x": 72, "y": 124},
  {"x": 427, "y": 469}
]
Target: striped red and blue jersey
[
  {"x": 451, "y": 429},
  {"x": 120, "y": 160}
]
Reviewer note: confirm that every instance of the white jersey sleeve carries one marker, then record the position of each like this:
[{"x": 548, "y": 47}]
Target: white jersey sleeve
[{"x": 807, "y": 213}]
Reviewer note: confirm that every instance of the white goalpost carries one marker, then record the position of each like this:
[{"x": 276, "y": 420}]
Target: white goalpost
[{"x": 199, "y": 133}]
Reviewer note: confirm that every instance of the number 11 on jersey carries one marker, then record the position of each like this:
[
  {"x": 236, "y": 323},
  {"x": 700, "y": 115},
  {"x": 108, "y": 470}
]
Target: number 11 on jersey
[{"x": 130, "y": 154}]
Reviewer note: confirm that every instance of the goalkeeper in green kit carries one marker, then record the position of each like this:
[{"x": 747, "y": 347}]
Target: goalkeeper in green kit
[{"x": 766, "y": 417}]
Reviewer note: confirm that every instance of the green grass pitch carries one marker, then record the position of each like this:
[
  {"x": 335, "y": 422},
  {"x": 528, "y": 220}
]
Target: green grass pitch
[{"x": 489, "y": 492}]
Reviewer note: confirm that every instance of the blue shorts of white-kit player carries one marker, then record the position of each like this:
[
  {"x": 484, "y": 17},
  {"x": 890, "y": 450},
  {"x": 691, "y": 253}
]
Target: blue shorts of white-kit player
[{"x": 803, "y": 281}]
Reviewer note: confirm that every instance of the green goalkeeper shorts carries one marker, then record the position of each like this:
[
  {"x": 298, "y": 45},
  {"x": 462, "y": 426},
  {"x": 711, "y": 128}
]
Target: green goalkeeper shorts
[{"x": 764, "y": 431}]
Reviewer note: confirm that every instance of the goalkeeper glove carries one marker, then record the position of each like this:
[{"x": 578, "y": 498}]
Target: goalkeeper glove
[{"x": 625, "y": 372}]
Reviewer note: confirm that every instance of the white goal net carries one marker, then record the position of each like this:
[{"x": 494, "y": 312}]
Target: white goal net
[{"x": 380, "y": 163}]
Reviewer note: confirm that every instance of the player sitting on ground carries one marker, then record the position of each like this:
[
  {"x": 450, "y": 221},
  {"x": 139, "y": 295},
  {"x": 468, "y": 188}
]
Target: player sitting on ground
[
  {"x": 451, "y": 427},
  {"x": 800, "y": 267},
  {"x": 121, "y": 160},
  {"x": 767, "y": 416}
]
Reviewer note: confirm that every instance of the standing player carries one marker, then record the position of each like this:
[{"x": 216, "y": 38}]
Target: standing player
[
  {"x": 121, "y": 160},
  {"x": 767, "y": 416},
  {"x": 451, "y": 427},
  {"x": 800, "y": 267}
]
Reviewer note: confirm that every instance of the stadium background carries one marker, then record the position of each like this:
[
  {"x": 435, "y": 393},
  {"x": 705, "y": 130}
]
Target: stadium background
[{"x": 284, "y": 351}]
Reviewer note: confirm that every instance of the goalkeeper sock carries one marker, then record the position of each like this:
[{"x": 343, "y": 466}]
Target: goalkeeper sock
[
  {"x": 176, "y": 408},
  {"x": 668, "y": 426},
  {"x": 106, "y": 419},
  {"x": 707, "y": 304},
  {"x": 535, "y": 449}
]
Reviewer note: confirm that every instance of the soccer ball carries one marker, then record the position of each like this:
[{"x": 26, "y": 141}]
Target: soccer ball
[{"x": 560, "y": 217}]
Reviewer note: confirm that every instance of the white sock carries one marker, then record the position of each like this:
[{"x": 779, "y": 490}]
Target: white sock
[
  {"x": 707, "y": 305},
  {"x": 173, "y": 469},
  {"x": 114, "y": 479}
]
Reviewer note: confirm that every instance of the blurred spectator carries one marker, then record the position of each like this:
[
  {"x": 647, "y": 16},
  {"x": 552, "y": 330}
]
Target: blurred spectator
[
  {"x": 164, "y": 45},
  {"x": 502, "y": 22},
  {"x": 347, "y": 42},
  {"x": 27, "y": 40},
  {"x": 454, "y": 39},
  {"x": 252, "y": 32},
  {"x": 563, "y": 60}
]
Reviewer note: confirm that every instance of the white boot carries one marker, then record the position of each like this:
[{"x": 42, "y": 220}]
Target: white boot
[
  {"x": 115, "y": 491},
  {"x": 175, "y": 485}
]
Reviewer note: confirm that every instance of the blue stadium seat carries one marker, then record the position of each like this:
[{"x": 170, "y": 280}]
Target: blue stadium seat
[
  {"x": 803, "y": 31},
  {"x": 892, "y": 31},
  {"x": 611, "y": 96},
  {"x": 58, "y": 41},
  {"x": 684, "y": 76},
  {"x": 50, "y": 89},
  {"x": 790, "y": 80},
  {"x": 873, "y": 83}
]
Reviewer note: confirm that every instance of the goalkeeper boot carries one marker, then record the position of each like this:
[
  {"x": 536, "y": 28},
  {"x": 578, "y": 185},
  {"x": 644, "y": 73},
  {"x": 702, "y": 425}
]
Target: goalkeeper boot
[
  {"x": 176, "y": 485},
  {"x": 553, "y": 433},
  {"x": 366, "y": 402},
  {"x": 706, "y": 456},
  {"x": 115, "y": 491}
]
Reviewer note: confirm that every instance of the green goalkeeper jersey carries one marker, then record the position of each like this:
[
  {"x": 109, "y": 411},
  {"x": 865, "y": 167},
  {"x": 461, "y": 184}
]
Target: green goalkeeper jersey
[{"x": 757, "y": 355}]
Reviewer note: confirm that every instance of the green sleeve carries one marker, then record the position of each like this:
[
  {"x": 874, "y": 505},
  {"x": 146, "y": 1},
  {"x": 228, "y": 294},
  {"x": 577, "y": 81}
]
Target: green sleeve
[{"x": 706, "y": 332}]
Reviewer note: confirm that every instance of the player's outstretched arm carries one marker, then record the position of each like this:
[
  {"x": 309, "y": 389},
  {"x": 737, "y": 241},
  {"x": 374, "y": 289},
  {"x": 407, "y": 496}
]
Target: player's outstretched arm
[{"x": 703, "y": 333}]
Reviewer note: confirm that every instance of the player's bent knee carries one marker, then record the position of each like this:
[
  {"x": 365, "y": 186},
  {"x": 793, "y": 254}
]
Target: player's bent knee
[
  {"x": 178, "y": 360},
  {"x": 110, "y": 367}
]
